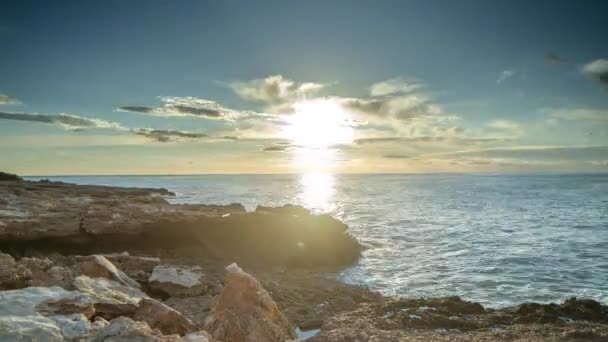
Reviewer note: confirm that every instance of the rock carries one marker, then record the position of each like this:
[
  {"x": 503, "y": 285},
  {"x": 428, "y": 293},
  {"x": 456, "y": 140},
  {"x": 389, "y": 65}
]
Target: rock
[
  {"x": 45, "y": 300},
  {"x": 29, "y": 328},
  {"x": 138, "y": 268},
  {"x": 124, "y": 329},
  {"x": 67, "y": 218},
  {"x": 199, "y": 336},
  {"x": 98, "y": 266},
  {"x": 74, "y": 327},
  {"x": 177, "y": 281},
  {"x": 195, "y": 308},
  {"x": 12, "y": 274},
  {"x": 164, "y": 318},
  {"x": 244, "y": 311},
  {"x": 9, "y": 177},
  {"x": 46, "y": 274},
  {"x": 110, "y": 298}
]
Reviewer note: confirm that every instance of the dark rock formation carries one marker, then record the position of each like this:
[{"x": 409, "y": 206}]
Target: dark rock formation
[{"x": 9, "y": 177}]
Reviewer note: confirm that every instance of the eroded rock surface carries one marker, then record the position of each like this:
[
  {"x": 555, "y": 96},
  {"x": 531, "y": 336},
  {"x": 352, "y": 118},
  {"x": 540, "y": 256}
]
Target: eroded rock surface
[
  {"x": 177, "y": 281},
  {"x": 244, "y": 311}
]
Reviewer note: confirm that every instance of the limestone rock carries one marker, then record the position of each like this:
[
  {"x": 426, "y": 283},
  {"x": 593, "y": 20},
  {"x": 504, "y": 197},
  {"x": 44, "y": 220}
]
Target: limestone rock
[
  {"x": 164, "y": 318},
  {"x": 177, "y": 281},
  {"x": 244, "y": 311},
  {"x": 199, "y": 336},
  {"x": 29, "y": 328},
  {"x": 73, "y": 327},
  {"x": 110, "y": 298},
  {"x": 98, "y": 266},
  {"x": 45, "y": 300},
  {"x": 138, "y": 268}
]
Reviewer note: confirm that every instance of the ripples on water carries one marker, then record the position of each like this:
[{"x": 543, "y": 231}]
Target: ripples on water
[{"x": 498, "y": 240}]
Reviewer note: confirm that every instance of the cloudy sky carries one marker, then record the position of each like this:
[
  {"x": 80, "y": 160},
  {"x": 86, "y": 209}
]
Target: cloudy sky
[{"x": 182, "y": 87}]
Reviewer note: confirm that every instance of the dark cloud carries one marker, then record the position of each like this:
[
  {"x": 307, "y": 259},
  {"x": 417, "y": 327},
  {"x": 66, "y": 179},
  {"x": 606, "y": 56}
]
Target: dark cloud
[
  {"x": 162, "y": 135},
  {"x": 597, "y": 70},
  {"x": 402, "y": 107},
  {"x": 8, "y": 100},
  {"x": 429, "y": 139},
  {"x": 553, "y": 58},
  {"x": 396, "y": 156},
  {"x": 277, "y": 148},
  {"x": 67, "y": 121},
  {"x": 187, "y": 106}
]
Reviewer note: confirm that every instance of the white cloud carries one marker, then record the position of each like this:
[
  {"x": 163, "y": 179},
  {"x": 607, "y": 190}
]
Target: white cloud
[
  {"x": 67, "y": 121},
  {"x": 504, "y": 75},
  {"x": 8, "y": 100},
  {"x": 274, "y": 89},
  {"x": 597, "y": 70},
  {"x": 395, "y": 86}
]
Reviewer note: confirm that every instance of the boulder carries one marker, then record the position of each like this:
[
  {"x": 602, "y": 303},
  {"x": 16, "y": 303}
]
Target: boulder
[
  {"x": 164, "y": 318},
  {"x": 110, "y": 298},
  {"x": 29, "y": 328},
  {"x": 98, "y": 266},
  {"x": 45, "y": 300},
  {"x": 244, "y": 311},
  {"x": 199, "y": 336},
  {"x": 73, "y": 327},
  {"x": 177, "y": 281}
]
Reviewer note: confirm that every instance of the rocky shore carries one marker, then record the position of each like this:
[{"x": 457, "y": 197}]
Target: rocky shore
[{"x": 95, "y": 263}]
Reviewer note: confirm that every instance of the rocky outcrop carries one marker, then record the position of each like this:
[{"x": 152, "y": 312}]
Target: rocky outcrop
[
  {"x": 9, "y": 177},
  {"x": 59, "y": 217},
  {"x": 177, "y": 281},
  {"x": 12, "y": 274},
  {"x": 244, "y": 311},
  {"x": 111, "y": 299}
]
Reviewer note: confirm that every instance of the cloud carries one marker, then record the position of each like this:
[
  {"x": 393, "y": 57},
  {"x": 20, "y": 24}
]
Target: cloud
[
  {"x": 506, "y": 125},
  {"x": 187, "y": 106},
  {"x": 274, "y": 89},
  {"x": 277, "y": 148},
  {"x": 67, "y": 121},
  {"x": 577, "y": 114},
  {"x": 396, "y": 85},
  {"x": 553, "y": 58},
  {"x": 396, "y": 156},
  {"x": 536, "y": 152},
  {"x": 430, "y": 139},
  {"x": 504, "y": 75},
  {"x": 8, "y": 100},
  {"x": 597, "y": 70},
  {"x": 403, "y": 107},
  {"x": 162, "y": 135}
]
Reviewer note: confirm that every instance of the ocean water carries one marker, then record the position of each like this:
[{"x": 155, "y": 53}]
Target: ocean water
[{"x": 496, "y": 239}]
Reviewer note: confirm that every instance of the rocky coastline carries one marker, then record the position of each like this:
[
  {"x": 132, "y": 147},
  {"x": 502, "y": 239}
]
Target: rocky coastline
[{"x": 97, "y": 263}]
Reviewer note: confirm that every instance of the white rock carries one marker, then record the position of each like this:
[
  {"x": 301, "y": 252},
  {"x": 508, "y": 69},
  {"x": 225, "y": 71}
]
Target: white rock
[
  {"x": 199, "y": 336},
  {"x": 31, "y": 300},
  {"x": 106, "y": 291},
  {"x": 29, "y": 328},
  {"x": 73, "y": 327},
  {"x": 177, "y": 281}
]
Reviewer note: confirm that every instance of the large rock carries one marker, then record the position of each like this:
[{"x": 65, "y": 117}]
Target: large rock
[
  {"x": 73, "y": 327},
  {"x": 66, "y": 218},
  {"x": 138, "y": 268},
  {"x": 98, "y": 266},
  {"x": 29, "y": 328},
  {"x": 110, "y": 298},
  {"x": 177, "y": 281},
  {"x": 164, "y": 318},
  {"x": 244, "y": 311},
  {"x": 45, "y": 300}
]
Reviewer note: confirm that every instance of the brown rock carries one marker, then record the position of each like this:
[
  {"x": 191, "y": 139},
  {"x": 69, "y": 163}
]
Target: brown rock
[
  {"x": 164, "y": 318},
  {"x": 12, "y": 274},
  {"x": 244, "y": 311},
  {"x": 177, "y": 281}
]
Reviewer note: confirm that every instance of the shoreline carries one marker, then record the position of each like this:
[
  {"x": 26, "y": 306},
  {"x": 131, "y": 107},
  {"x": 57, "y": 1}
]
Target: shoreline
[{"x": 294, "y": 254}]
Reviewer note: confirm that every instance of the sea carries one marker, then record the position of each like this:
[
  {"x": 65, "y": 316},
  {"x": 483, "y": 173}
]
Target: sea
[{"x": 492, "y": 238}]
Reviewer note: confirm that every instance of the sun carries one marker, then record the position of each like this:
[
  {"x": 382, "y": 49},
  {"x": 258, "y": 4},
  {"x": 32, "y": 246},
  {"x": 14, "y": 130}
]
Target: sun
[{"x": 318, "y": 124}]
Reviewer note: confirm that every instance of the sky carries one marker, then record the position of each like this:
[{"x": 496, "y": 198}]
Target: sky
[{"x": 195, "y": 87}]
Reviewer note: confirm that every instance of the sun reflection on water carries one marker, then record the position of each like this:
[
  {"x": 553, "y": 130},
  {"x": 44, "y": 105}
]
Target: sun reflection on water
[{"x": 317, "y": 191}]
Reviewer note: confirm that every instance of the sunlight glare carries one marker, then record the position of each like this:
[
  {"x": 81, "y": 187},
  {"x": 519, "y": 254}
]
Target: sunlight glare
[
  {"x": 317, "y": 191},
  {"x": 318, "y": 123}
]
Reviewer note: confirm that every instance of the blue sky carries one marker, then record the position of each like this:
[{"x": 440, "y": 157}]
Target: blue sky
[{"x": 463, "y": 82}]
